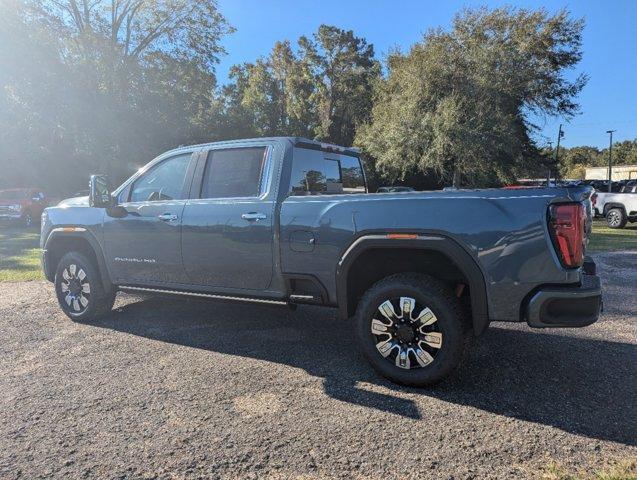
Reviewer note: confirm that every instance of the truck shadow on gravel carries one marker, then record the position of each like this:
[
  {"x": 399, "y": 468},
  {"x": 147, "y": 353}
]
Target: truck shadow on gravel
[{"x": 579, "y": 385}]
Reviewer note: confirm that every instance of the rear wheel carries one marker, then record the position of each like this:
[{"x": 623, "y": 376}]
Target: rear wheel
[
  {"x": 410, "y": 327},
  {"x": 79, "y": 289},
  {"x": 616, "y": 218}
]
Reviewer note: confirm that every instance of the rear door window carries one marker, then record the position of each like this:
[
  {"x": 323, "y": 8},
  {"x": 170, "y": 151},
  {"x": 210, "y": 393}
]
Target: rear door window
[{"x": 233, "y": 173}]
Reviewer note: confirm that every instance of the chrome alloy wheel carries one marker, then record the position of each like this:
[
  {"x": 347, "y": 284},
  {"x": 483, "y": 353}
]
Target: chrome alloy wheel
[
  {"x": 410, "y": 339},
  {"x": 75, "y": 288},
  {"x": 614, "y": 218}
]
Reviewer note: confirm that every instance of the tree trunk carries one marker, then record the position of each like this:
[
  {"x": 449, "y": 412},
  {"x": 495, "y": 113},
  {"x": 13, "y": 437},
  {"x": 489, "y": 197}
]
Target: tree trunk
[{"x": 456, "y": 178}]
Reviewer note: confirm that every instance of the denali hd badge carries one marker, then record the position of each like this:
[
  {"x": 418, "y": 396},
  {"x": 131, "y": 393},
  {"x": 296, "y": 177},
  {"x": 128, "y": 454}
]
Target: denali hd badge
[{"x": 135, "y": 260}]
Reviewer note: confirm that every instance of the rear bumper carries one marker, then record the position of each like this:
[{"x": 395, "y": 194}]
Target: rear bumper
[{"x": 571, "y": 306}]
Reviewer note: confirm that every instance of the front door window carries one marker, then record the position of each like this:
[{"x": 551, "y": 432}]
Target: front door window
[{"x": 164, "y": 181}]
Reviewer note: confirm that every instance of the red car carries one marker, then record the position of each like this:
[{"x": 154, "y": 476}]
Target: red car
[{"x": 22, "y": 204}]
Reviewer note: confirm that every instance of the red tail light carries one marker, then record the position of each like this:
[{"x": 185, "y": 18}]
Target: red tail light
[{"x": 568, "y": 229}]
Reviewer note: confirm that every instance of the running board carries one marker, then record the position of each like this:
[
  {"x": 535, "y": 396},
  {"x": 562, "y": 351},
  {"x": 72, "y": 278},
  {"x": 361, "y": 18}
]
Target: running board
[{"x": 203, "y": 295}]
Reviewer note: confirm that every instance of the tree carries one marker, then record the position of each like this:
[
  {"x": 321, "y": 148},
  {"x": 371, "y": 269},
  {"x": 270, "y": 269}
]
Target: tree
[
  {"x": 322, "y": 91},
  {"x": 272, "y": 95},
  {"x": 344, "y": 71},
  {"x": 129, "y": 30},
  {"x": 115, "y": 82},
  {"x": 574, "y": 160},
  {"x": 624, "y": 153},
  {"x": 459, "y": 102}
]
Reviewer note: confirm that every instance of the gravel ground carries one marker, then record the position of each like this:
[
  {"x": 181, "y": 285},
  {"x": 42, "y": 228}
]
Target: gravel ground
[{"x": 187, "y": 389}]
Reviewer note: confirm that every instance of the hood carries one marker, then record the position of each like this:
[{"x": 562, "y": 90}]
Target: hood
[
  {"x": 14, "y": 201},
  {"x": 74, "y": 202}
]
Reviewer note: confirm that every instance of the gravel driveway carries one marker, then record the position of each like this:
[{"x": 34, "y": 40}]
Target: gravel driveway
[{"x": 176, "y": 388}]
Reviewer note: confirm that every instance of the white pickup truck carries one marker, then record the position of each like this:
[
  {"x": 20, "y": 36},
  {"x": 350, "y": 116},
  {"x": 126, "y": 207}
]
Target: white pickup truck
[{"x": 618, "y": 208}]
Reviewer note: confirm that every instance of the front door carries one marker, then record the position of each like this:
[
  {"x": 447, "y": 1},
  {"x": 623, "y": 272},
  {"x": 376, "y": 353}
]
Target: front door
[
  {"x": 227, "y": 234},
  {"x": 144, "y": 245}
]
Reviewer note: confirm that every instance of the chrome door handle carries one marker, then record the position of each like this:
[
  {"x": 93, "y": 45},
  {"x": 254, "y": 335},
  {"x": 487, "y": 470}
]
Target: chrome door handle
[
  {"x": 167, "y": 217},
  {"x": 254, "y": 216}
]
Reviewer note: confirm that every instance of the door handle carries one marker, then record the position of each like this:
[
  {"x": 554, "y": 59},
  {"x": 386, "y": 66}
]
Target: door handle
[
  {"x": 167, "y": 217},
  {"x": 254, "y": 216}
]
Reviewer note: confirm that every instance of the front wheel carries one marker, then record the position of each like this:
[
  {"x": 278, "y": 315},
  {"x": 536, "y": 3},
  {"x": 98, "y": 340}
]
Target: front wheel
[
  {"x": 410, "y": 327},
  {"x": 27, "y": 220},
  {"x": 616, "y": 218},
  {"x": 79, "y": 289}
]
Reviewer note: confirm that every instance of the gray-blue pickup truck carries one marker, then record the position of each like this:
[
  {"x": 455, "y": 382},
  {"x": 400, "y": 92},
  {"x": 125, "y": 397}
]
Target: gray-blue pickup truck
[{"x": 290, "y": 221}]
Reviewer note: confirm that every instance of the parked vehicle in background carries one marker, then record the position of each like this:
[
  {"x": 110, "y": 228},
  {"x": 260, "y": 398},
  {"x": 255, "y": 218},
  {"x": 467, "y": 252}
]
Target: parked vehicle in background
[
  {"x": 618, "y": 208},
  {"x": 24, "y": 205},
  {"x": 532, "y": 183},
  {"x": 629, "y": 187},
  {"x": 289, "y": 221},
  {"x": 602, "y": 185},
  {"x": 395, "y": 189}
]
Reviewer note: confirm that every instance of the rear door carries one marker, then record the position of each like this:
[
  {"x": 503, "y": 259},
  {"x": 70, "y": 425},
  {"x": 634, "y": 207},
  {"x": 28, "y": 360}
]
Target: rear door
[
  {"x": 227, "y": 236},
  {"x": 144, "y": 245}
]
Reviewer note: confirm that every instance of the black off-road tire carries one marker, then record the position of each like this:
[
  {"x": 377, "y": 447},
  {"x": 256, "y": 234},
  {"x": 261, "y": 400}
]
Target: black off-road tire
[
  {"x": 426, "y": 291},
  {"x": 98, "y": 301},
  {"x": 616, "y": 218}
]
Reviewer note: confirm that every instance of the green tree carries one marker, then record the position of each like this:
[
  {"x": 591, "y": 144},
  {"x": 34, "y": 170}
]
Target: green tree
[
  {"x": 573, "y": 161},
  {"x": 459, "y": 102},
  {"x": 323, "y": 91},
  {"x": 624, "y": 153},
  {"x": 122, "y": 80},
  {"x": 272, "y": 95},
  {"x": 344, "y": 71}
]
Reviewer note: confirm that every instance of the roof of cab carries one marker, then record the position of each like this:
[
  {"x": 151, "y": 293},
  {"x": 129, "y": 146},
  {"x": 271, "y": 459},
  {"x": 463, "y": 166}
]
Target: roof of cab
[{"x": 296, "y": 141}]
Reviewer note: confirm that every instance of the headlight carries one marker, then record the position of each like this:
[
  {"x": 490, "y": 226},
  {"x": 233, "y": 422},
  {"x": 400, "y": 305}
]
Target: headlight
[{"x": 17, "y": 208}]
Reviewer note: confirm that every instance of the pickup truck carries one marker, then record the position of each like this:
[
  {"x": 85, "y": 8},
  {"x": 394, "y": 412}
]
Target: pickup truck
[
  {"x": 23, "y": 205},
  {"x": 288, "y": 221},
  {"x": 619, "y": 208}
]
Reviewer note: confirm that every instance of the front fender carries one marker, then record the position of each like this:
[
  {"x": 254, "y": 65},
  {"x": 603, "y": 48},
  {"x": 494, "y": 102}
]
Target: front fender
[{"x": 61, "y": 234}]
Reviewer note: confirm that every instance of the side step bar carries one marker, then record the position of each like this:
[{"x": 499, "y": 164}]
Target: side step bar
[{"x": 202, "y": 295}]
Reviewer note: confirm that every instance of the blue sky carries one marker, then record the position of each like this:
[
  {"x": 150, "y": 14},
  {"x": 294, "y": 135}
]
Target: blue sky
[{"x": 609, "y": 101}]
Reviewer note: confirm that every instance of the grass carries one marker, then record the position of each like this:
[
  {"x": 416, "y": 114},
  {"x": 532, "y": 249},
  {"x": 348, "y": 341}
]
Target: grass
[
  {"x": 19, "y": 254},
  {"x": 606, "y": 239},
  {"x": 626, "y": 470}
]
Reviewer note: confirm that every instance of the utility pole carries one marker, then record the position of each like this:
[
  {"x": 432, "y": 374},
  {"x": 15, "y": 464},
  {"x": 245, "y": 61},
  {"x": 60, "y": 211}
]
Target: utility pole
[
  {"x": 560, "y": 134},
  {"x": 610, "y": 159},
  {"x": 548, "y": 173}
]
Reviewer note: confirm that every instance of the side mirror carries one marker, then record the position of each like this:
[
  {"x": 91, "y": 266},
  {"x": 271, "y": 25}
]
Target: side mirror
[{"x": 99, "y": 193}]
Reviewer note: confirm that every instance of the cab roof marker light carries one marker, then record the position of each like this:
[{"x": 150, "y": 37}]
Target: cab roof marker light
[
  {"x": 69, "y": 229},
  {"x": 402, "y": 236}
]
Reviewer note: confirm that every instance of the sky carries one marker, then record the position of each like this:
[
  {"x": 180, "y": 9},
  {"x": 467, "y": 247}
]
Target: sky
[{"x": 609, "y": 100}]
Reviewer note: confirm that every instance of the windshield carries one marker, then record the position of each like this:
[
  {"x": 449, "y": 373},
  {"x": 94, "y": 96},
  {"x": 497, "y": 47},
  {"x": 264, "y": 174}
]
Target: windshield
[{"x": 14, "y": 194}]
